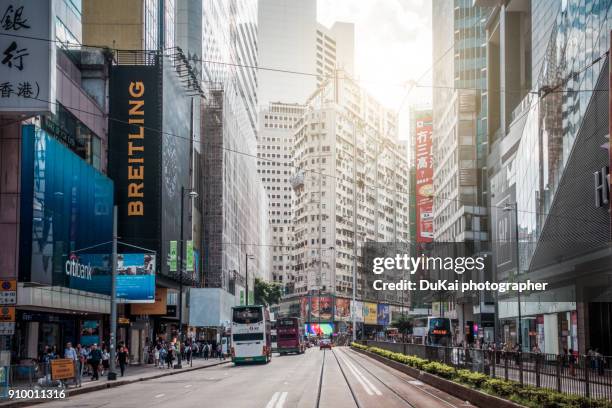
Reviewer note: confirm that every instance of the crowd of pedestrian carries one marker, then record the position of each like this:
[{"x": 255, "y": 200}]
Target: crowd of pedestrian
[{"x": 164, "y": 353}]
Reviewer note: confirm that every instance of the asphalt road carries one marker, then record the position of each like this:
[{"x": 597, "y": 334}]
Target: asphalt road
[{"x": 318, "y": 379}]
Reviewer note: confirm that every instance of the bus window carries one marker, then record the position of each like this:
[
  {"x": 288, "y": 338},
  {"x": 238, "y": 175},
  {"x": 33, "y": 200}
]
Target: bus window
[{"x": 247, "y": 315}]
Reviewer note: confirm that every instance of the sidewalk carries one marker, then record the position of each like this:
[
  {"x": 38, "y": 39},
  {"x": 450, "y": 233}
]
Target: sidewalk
[{"x": 132, "y": 374}]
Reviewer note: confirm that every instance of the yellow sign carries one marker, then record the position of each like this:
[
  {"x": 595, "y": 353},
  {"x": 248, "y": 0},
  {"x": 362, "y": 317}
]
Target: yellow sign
[
  {"x": 10, "y": 284},
  {"x": 62, "y": 368},
  {"x": 157, "y": 308},
  {"x": 369, "y": 313},
  {"x": 7, "y": 314}
]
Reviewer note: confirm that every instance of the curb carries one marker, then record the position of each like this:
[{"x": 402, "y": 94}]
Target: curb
[
  {"x": 476, "y": 397},
  {"x": 105, "y": 385}
]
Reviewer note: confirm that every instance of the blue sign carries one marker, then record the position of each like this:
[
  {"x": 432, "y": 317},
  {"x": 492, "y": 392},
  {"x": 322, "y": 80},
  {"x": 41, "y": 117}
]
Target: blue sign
[
  {"x": 383, "y": 314},
  {"x": 135, "y": 275}
]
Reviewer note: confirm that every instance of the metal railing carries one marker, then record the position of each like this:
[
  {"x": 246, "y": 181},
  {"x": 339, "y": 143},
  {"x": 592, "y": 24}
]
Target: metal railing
[
  {"x": 33, "y": 375},
  {"x": 584, "y": 375}
]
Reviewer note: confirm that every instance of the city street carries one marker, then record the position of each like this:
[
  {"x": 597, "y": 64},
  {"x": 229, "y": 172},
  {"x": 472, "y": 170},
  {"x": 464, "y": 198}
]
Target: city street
[{"x": 348, "y": 380}]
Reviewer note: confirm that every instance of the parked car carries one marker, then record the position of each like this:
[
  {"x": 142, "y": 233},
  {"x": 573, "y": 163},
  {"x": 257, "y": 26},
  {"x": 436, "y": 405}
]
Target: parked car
[{"x": 325, "y": 344}]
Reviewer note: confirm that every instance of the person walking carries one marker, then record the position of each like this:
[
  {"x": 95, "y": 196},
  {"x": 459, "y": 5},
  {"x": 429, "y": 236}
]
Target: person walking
[
  {"x": 105, "y": 360},
  {"x": 220, "y": 352},
  {"x": 122, "y": 358},
  {"x": 71, "y": 354},
  {"x": 189, "y": 353},
  {"x": 95, "y": 356},
  {"x": 169, "y": 355},
  {"x": 156, "y": 355},
  {"x": 206, "y": 351}
]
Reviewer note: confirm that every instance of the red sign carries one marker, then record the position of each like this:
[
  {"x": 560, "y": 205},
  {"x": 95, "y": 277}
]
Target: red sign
[{"x": 424, "y": 179}]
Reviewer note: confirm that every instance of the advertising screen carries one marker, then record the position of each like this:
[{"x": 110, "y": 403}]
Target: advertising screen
[
  {"x": 358, "y": 306},
  {"x": 135, "y": 275},
  {"x": 90, "y": 332},
  {"x": 321, "y": 308},
  {"x": 343, "y": 309},
  {"x": 383, "y": 314},
  {"x": 323, "y": 329},
  {"x": 424, "y": 179},
  {"x": 370, "y": 313},
  {"x": 304, "y": 309}
]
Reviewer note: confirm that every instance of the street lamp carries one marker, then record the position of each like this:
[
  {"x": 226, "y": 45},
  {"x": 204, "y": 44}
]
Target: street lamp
[
  {"x": 507, "y": 208},
  {"x": 192, "y": 194}
]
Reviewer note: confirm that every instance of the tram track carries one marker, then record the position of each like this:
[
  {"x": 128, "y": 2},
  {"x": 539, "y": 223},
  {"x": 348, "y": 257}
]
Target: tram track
[{"x": 346, "y": 381}]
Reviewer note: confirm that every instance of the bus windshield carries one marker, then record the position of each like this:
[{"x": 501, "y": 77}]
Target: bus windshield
[{"x": 247, "y": 315}]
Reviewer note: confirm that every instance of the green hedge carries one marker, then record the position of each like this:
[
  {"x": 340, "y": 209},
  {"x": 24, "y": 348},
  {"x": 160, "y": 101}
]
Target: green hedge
[{"x": 527, "y": 395}]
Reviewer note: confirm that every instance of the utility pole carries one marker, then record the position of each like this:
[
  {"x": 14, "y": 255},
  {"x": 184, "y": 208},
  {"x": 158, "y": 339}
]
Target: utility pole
[
  {"x": 180, "y": 269},
  {"x": 354, "y": 232},
  {"x": 518, "y": 271},
  {"x": 246, "y": 276},
  {"x": 113, "y": 317}
]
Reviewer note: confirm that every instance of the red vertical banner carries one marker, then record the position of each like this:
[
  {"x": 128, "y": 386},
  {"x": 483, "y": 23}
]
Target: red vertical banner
[{"x": 424, "y": 179}]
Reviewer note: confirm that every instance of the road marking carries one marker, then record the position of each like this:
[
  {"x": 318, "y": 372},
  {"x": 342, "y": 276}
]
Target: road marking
[
  {"x": 416, "y": 382},
  {"x": 359, "y": 373},
  {"x": 273, "y": 400},
  {"x": 188, "y": 385},
  {"x": 281, "y": 400},
  {"x": 363, "y": 384},
  {"x": 159, "y": 395}
]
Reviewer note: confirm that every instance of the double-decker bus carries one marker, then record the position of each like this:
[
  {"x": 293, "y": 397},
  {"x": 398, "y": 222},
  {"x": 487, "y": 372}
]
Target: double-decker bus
[
  {"x": 251, "y": 334},
  {"x": 290, "y": 335},
  {"x": 433, "y": 331}
]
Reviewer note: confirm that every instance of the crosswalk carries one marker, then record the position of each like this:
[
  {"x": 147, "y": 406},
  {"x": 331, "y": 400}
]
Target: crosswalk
[{"x": 278, "y": 400}]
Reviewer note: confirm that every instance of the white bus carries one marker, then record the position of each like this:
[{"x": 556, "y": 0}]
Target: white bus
[{"x": 251, "y": 334}]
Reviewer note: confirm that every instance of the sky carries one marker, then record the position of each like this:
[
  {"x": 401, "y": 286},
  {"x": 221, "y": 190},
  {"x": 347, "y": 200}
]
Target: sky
[{"x": 392, "y": 48}]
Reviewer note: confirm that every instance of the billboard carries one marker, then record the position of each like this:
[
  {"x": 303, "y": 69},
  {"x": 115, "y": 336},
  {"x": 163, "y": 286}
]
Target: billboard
[
  {"x": 135, "y": 275},
  {"x": 135, "y": 151},
  {"x": 383, "y": 314},
  {"x": 424, "y": 178},
  {"x": 28, "y": 60},
  {"x": 323, "y": 329},
  {"x": 358, "y": 308},
  {"x": 156, "y": 308},
  {"x": 370, "y": 313},
  {"x": 342, "y": 310},
  {"x": 321, "y": 308},
  {"x": 304, "y": 309}
]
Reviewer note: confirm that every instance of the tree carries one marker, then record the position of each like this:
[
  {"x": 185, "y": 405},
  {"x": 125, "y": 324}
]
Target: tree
[
  {"x": 267, "y": 293},
  {"x": 403, "y": 324}
]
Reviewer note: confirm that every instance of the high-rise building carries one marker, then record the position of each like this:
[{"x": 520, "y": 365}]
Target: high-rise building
[
  {"x": 334, "y": 50},
  {"x": 548, "y": 164},
  {"x": 235, "y": 208},
  {"x": 275, "y": 167},
  {"x": 459, "y": 156},
  {"x": 350, "y": 186}
]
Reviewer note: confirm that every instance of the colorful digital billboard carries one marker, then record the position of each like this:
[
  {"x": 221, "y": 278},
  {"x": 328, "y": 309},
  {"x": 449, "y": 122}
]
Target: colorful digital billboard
[
  {"x": 322, "y": 329},
  {"x": 424, "y": 179}
]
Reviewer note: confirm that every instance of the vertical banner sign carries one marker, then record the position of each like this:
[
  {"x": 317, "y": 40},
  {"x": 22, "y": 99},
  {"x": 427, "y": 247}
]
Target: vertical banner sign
[
  {"x": 27, "y": 56},
  {"x": 135, "y": 141},
  {"x": 424, "y": 179},
  {"x": 189, "y": 256},
  {"x": 172, "y": 256}
]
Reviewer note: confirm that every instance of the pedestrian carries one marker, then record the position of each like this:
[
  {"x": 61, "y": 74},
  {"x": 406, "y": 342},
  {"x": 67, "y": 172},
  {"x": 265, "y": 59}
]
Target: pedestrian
[
  {"x": 85, "y": 360},
  {"x": 45, "y": 359},
  {"x": 220, "y": 352},
  {"x": 156, "y": 355},
  {"x": 122, "y": 358},
  {"x": 169, "y": 355},
  {"x": 163, "y": 354},
  {"x": 206, "y": 351},
  {"x": 105, "y": 361},
  {"x": 95, "y": 356},
  {"x": 572, "y": 362}
]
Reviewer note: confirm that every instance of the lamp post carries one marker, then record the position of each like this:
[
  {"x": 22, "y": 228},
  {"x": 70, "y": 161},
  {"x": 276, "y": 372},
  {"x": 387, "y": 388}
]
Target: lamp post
[
  {"x": 192, "y": 194},
  {"x": 510, "y": 207},
  {"x": 247, "y": 256}
]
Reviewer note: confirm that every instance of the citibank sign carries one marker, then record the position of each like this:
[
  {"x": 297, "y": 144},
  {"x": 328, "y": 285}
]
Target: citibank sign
[{"x": 77, "y": 270}]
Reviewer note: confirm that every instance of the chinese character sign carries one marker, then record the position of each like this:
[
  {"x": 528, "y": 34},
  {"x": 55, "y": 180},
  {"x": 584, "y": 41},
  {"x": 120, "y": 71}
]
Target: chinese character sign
[
  {"x": 27, "y": 56},
  {"x": 424, "y": 179}
]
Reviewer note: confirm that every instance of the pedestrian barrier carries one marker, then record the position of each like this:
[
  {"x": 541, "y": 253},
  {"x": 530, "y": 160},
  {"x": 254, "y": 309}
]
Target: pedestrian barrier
[{"x": 585, "y": 375}]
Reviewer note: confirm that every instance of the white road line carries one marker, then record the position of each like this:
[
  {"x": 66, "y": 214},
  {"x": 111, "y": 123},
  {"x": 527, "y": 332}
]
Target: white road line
[
  {"x": 159, "y": 395},
  {"x": 363, "y": 384},
  {"x": 281, "y": 400},
  {"x": 188, "y": 386},
  {"x": 376, "y": 390},
  {"x": 273, "y": 400}
]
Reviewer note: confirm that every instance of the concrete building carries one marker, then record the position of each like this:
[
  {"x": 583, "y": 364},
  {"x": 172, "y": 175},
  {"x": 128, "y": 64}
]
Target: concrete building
[
  {"x": 334, "y": 50},
  {"x": 548, "y": 160},
  {"x": 350, "y": 188},
  {"x": 275, "y": 167},
  {"x": 459, "y": 148}
]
